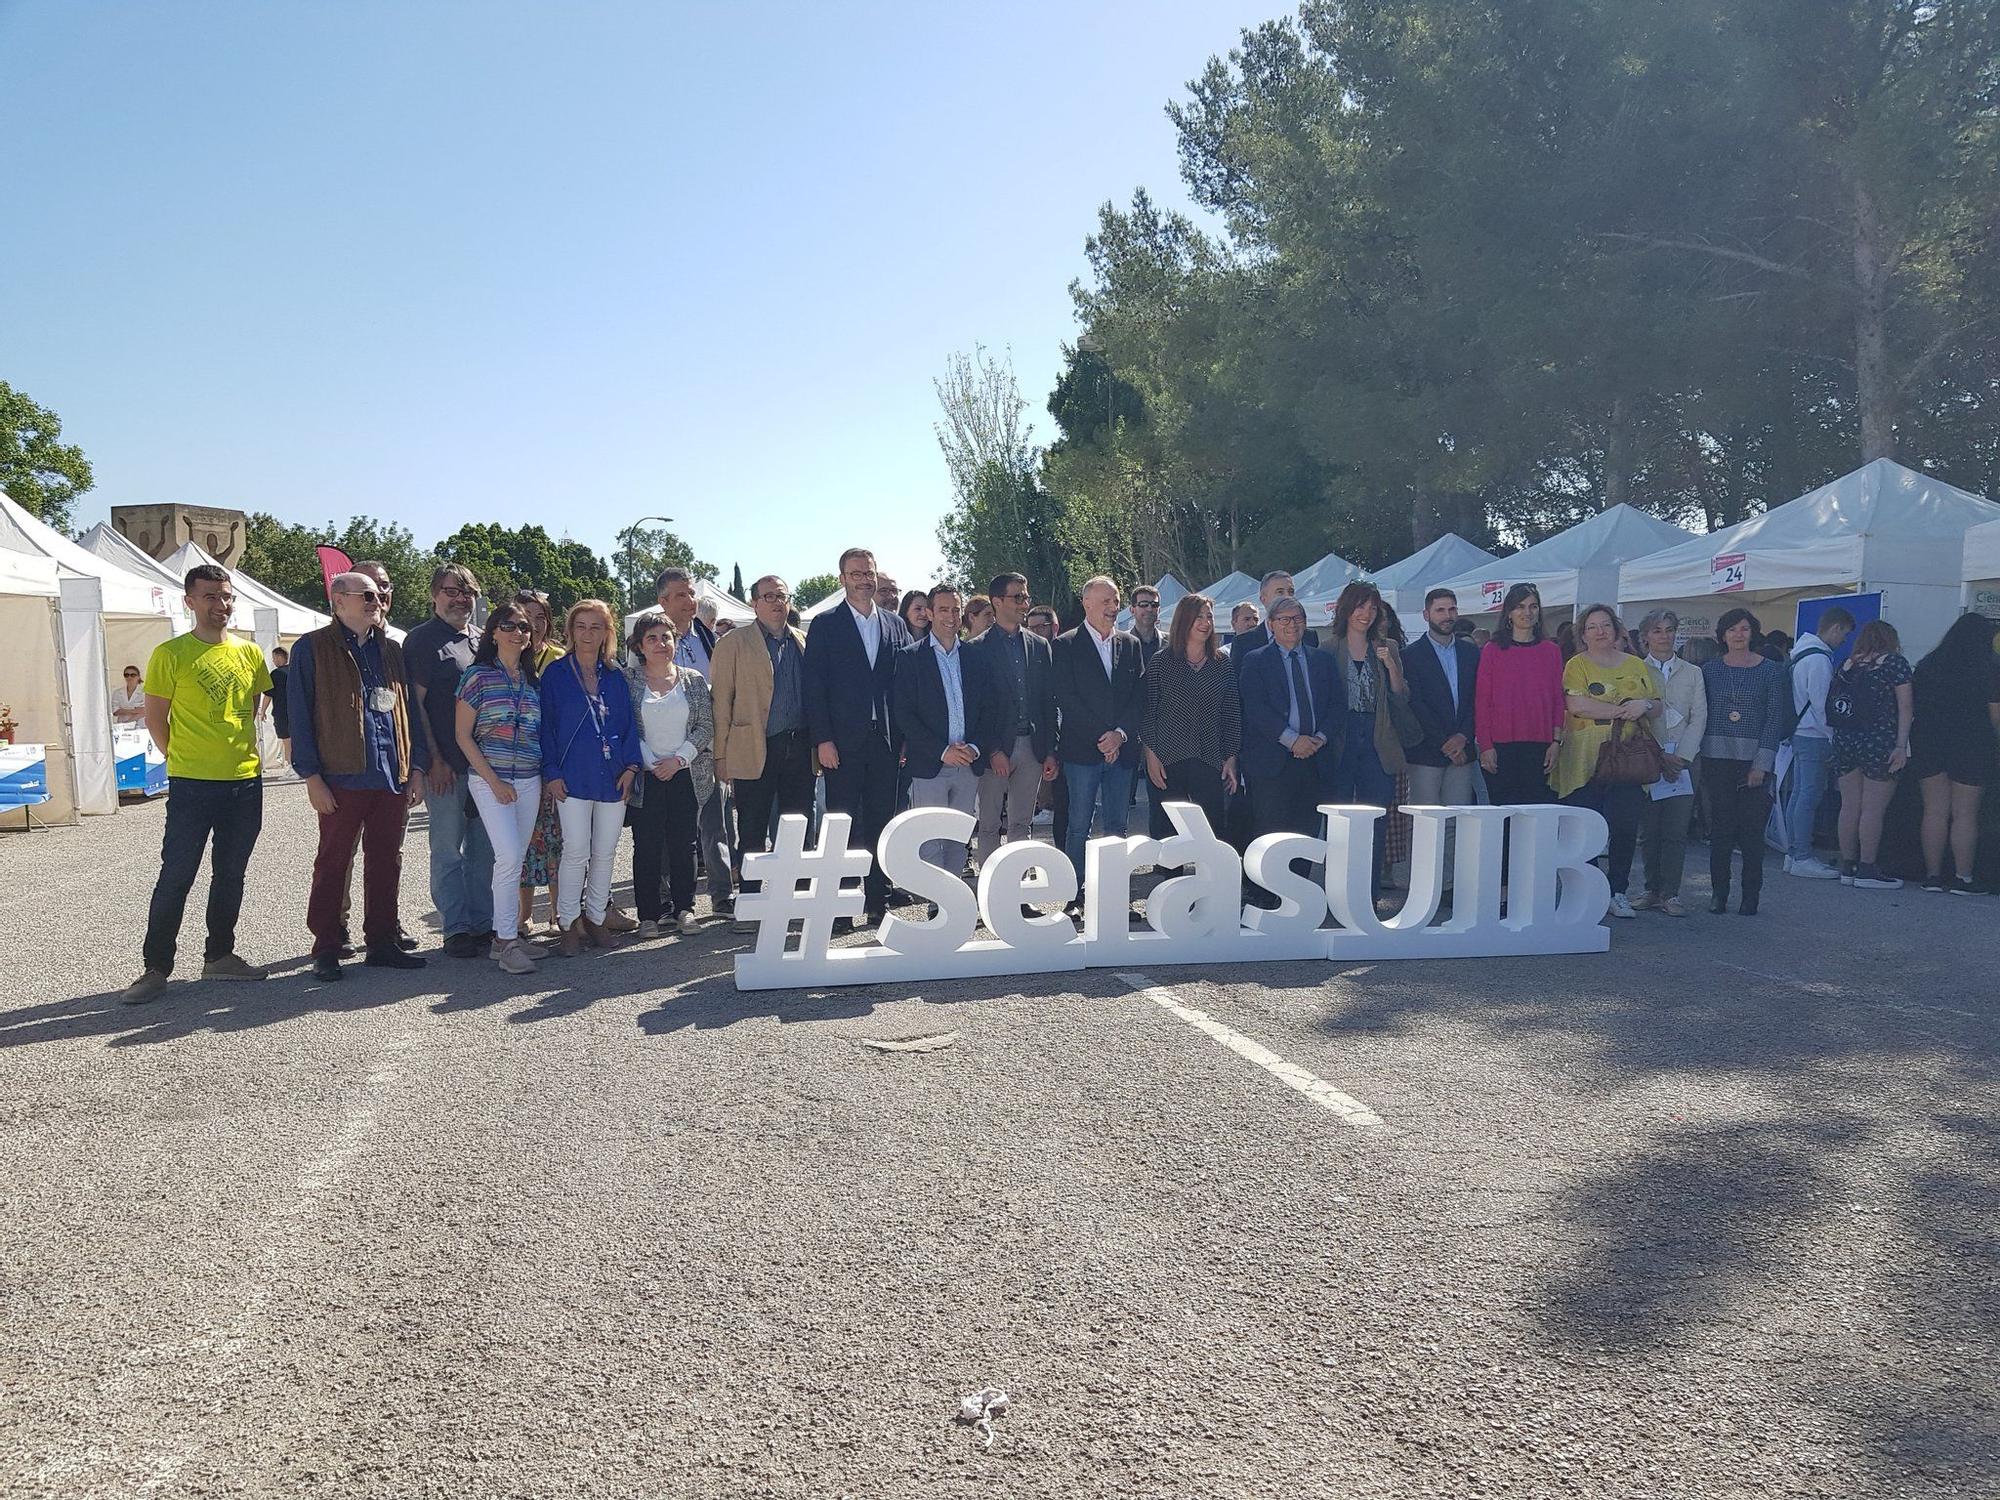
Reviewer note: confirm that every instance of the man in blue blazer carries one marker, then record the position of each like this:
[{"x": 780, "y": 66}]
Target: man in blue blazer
[
  {"x": 848, "y": 678},
  {"x": 1443, "y": 673},
  {"x": 1100, "y": 694},
  {"x": 1294, "y": 724},
  {"x": 943, "y": 711}
]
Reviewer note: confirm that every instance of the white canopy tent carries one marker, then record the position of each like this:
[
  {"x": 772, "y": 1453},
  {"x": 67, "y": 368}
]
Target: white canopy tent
[
  {"x": 109, "y": 617},
  {"x": 1981, "y": 568},
  {"x": 116, "y": 548},
  {"x": 1226, "y": 593},
  {"x": 1573, "y": 567},
  {"x": 34, "y": 682},
  {"x": 1882, "y": 527},
  {"x": 1172, "y": 591},
  {"x": 1404, "y": 584}
]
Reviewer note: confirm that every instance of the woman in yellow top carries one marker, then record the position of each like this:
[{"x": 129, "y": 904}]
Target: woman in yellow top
[{"x": 1603, "y": 683}]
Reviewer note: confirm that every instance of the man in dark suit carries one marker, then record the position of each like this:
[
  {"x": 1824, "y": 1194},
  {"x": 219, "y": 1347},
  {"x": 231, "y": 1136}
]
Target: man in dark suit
[
  {"x": 1100, "y": 694},
  {"x": 1294, "y": 713},
  {"x": 1020, "y": 747},
  {"x": 1443, "y": 672},
  {"x": 1276, "y": 585},
  {"x": 944, "y": 708},
  {"x": 849, "y": 682}
]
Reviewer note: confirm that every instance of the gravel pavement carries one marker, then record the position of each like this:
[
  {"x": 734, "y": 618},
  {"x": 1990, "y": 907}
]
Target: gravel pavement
[{"x": 1712, "y": 1214}]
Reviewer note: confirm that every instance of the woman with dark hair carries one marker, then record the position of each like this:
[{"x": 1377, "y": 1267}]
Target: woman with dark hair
[
  {"x": 590, "y": 755},
  {"x": 539, "y": 864},
  {"x": 1604, "y": 684},
  {"x": 500, "y": 734},
  {"x": 1869, "y": 706},
  {"x": 676, "y": 747},
  {"x": 1748, "y": 708},
  {"x": 1518, "y": 703},
  {"x": 916, "y": 612},
  {"x": 1371, "y": 669},
  {"x": 1956, "y": 724},
  {"x": 1192, "y": 728}
]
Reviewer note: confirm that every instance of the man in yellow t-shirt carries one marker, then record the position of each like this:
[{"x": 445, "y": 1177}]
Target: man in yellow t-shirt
[{"x": 201, "y": 707}]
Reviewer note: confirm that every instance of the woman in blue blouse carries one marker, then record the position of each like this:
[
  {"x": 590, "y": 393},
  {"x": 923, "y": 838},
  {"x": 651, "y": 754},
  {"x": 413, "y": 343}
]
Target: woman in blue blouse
[
  {"x": 1747, "y": 705},
  {"x": 590, "y": 756}
]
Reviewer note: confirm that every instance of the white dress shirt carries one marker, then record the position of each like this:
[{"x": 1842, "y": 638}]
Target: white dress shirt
[
  {"x": 1103, "y": 645},
  {"x": 870, "y": 626}
]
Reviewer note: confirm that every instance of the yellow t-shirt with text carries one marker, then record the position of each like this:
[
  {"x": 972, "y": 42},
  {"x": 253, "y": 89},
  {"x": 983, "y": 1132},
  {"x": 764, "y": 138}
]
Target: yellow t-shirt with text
[{"x": 212, "y": 725}]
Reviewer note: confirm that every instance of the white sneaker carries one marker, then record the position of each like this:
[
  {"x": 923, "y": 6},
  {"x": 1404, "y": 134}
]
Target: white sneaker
[
  {"x": 1810, "y": 869},
  {"x": 1620, "y": 907},
  {"x": 513, "y": 957},
  {"x": 690, "y": 924}
]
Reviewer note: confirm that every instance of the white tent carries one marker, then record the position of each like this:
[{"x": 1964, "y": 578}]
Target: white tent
[
  {"x": 116, "y": 548},
  {"x": 1882, "y": 527},
  {"x": 34, "y": 685},
  {"x": 1404, "y": 584},
  {"x": 1577, "y": 566},
  {"x": 727, "y": 605},
  {"x": 1229, "y": 591},
  {"x": 1172, "y": 591},
  {"x": 1981, "y": 568},
  {"x": 110, "y": 617},
  {"x": 1326, "y": 578},
  {"x": 260, "y": 610}
]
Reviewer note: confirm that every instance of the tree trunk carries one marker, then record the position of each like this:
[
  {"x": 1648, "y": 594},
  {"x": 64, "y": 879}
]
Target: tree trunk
[
  {"x": 1618, "y": 453},
  {"x": 1874, "y": 390}
]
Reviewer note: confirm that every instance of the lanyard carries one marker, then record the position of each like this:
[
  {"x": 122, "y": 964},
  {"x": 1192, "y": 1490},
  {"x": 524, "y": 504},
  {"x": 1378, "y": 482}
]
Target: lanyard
[{"x": 594, "y": 704}]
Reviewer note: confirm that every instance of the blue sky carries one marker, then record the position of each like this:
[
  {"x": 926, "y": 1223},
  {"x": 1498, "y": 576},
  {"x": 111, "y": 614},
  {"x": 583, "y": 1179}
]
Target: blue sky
[{"x": 563, "y": 262}]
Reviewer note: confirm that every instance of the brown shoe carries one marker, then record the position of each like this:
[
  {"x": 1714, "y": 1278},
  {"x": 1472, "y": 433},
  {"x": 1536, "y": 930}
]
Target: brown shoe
[
  {"x": 616, "y": 921},
  {"x": 572, "y": 939},
  {"x": 596, "y": 933}
]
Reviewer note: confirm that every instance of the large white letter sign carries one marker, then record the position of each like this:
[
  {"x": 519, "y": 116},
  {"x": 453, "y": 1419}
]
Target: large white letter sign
[{"x": 1555, "y": 901}]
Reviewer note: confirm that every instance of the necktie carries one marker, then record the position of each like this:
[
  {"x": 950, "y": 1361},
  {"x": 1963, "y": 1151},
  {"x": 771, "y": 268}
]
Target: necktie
[{"x": 1299, "y": 692}]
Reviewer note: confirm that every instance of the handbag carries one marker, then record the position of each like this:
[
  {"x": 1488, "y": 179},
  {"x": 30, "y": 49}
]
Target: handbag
[
  {"x": 1629, "y": 760},
  {"x": 1403, "y": 719}
]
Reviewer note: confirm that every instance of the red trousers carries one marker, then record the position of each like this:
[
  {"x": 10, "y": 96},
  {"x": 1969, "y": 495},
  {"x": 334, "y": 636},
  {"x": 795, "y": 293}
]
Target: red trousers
[{"x": 377, "y": 819}]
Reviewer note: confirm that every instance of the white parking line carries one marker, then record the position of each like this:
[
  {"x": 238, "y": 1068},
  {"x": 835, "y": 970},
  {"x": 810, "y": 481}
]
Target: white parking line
[{"x": 1351, "y": 1110}]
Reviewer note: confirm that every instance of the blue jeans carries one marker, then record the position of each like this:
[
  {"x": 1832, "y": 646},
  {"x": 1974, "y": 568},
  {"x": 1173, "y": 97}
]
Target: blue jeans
[
  {"x": 231, "y": 813},
  {"x": 1359, "y": 778},
  {"x": 1088, "y": 783},
  {"x": 1812, "y": 759},
  {"x": 461, "y": 861}
]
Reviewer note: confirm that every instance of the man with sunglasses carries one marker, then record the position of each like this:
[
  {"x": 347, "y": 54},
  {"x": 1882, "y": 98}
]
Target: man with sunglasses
[
  {"x": 438, "y": 651},
  {"x": 362, "y": 766}
]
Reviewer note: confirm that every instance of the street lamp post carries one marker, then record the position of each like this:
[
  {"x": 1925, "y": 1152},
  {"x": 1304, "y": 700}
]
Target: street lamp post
[{"x": 632, "y": 545}]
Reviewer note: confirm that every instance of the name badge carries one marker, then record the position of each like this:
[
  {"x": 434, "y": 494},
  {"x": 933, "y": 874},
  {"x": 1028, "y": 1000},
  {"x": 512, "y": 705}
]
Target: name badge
[{"x": 382, "y": 700}]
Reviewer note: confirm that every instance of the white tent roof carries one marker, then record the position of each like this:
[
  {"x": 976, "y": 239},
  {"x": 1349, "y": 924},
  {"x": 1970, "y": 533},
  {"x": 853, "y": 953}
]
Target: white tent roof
[
  {"x": 1577, "y": 566},
  {"x": 125, "y": 593},
  {"x": 115, "y": 547},
  {"x": 1228, "y": 592},
  {"x": 1172, "y": 591},
  {"x": 727, "y": 605},
  {"x": 1882, "y": 509},
  {"x": 1424, "y": 569},
  {"x": 24, "y": 573},
  {"x": 1326, "y": 578},
  {"x": 1982, "y": 551},
  {"x": 251, "y": 596}
]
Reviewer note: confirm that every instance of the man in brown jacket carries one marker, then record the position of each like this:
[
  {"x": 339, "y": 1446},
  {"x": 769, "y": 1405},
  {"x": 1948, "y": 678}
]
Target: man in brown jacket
[
  {"x": 761, "y": 743},
  {"x": 351, "y": 742}
]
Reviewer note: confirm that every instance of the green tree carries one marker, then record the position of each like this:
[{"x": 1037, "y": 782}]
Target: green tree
[
  {"x": 505, "y": 559},
  {"x": 281, "y": 555},
  {"x": 736, "y": 581},
  {"x": 810, "y": 590},
  {"x": 38, "y": 471},
  {"x": 641, "y": 552}
]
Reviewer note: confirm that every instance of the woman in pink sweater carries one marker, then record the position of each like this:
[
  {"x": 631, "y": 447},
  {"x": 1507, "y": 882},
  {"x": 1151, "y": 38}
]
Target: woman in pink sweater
[{"x": 1518, "y": 703}]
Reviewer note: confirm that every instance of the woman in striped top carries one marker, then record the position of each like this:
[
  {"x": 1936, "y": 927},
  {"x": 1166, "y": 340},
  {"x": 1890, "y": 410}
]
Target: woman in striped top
[
  {"x": 1190, "y": 728},
  {"x": 500, "y": 733}
]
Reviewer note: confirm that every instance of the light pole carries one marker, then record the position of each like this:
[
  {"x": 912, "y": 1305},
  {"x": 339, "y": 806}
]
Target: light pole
[{"x": 632, "y": 546}]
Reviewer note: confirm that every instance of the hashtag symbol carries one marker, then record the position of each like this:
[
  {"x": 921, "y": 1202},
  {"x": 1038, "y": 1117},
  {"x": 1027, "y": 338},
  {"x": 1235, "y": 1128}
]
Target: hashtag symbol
[{"x": 807, "y": 886}]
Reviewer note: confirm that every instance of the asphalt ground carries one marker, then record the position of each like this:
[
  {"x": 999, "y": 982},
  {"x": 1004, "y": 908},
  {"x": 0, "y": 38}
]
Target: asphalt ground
[{"x": 1713, "y": 1214}]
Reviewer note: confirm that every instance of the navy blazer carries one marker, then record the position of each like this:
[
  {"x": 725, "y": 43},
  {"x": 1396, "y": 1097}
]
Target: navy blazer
[
  {"x": 1258, "y": 636},
  {"x": 923, "y": 717},
  {"x": 1267, "y": 709},
  {"x": 838, "y": 686},
  {"x": 1430, "y": 696},
  {"x": 991, "y": 648},
  {"x": 1089, "y": 704}
]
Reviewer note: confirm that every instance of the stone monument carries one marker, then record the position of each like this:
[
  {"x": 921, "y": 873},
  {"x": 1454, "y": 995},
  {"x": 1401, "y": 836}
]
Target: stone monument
[{"x": 161, "y": 530}]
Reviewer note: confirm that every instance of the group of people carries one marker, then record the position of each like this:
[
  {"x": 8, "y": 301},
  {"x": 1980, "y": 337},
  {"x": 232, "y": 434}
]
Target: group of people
[{"x": 533, "y": 749}]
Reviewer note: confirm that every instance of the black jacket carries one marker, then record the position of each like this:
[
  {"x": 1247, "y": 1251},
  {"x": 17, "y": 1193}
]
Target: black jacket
[
  {"x": 838, "y": 686},
  {"x": 923, "y": 714},
  {"x": 991, "y": 649},
  {"x": 1089, "y": 704},
  {"x": 1430, "y": 696}
]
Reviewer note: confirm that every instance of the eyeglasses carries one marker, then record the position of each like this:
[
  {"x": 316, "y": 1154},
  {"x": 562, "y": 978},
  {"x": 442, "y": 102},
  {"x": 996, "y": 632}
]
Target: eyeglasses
[
  {"x": 366, "y": 596},
  {"x": 453, "y": 591},
  {"x": 775, "y": 596},
  {"x": 1019, "y": 596},
  {"x": 1145, "y": 604},
  {"x": 520, "y": 627}
]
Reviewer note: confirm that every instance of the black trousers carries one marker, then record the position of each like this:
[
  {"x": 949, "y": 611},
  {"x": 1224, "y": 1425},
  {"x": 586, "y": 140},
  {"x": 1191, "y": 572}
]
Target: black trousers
[
  {"x": 1736, "y": 818},
  {"x": 1193, "y": 781},
  {"x": 1621, "y": 807},
  {"x": 1519, "y": 781},
  {"x": 1286, "y": 801},
  {"x": 863, "y": 786},
  {"x": 785, "y": 787},
  {"x": 663, "y": 835},
  {"x": 231, "y": 813}
]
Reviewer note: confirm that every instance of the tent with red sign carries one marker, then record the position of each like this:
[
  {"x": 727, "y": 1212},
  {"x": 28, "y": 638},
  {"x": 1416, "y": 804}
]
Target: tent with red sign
[
  {"x": 1573, "y": 567},
  {"x": 1882, "y": 528}
]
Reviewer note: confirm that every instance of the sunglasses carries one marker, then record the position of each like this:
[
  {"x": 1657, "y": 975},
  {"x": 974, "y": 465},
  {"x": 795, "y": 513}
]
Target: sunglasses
[
  {"x": 366, "y": 596},
  {"x": 519, "y": 627}
]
